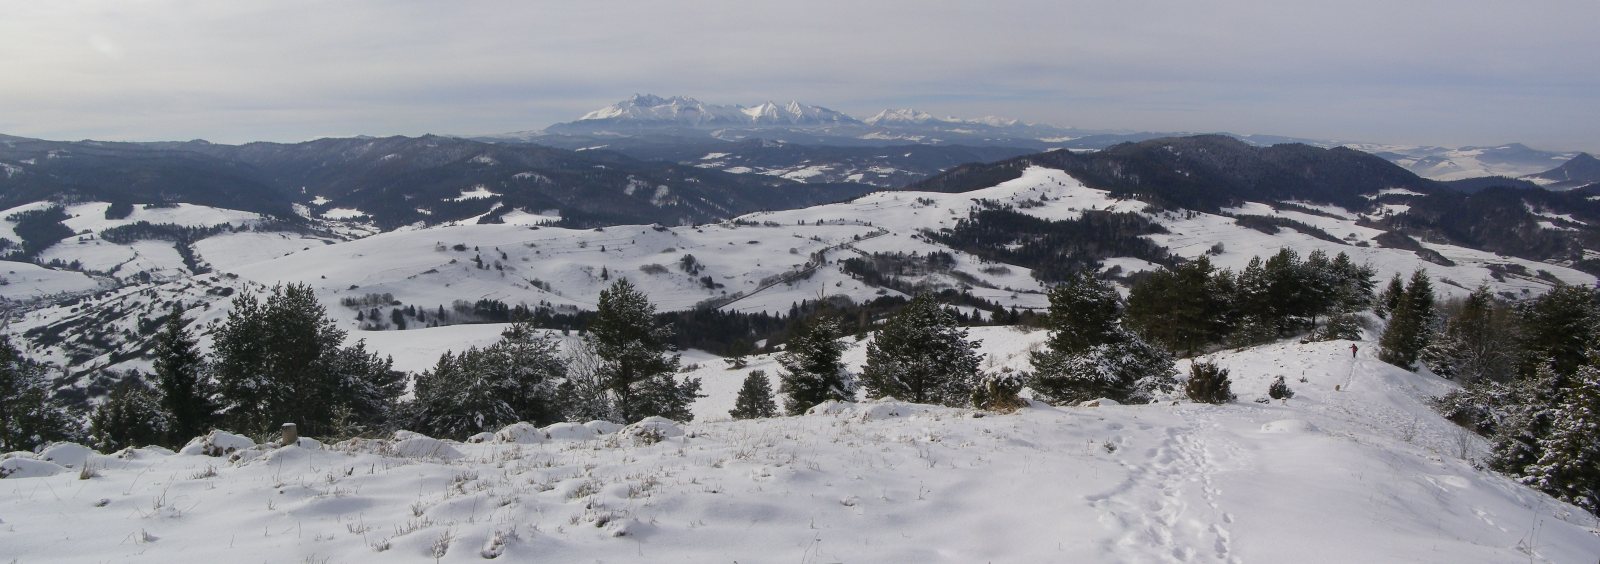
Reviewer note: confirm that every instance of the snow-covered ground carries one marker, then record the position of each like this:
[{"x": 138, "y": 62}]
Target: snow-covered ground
[
  {"x": 761, "y": 262},
  {"x": 1364, "y": 474},
  {"x": 25, "y": 281}
]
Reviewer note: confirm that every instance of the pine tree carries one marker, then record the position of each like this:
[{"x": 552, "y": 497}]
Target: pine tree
[
  {"x": 1410, "y": 324},
  {"x": 813, "y": 367},
  {"x": 1476, "y": 343},
  {"x": 132, "y": 416},
  {"x": 637, "y": 365},
  {"x": 1208, "y": 383},
  {"x": 1527, "y": 418},
  {"x": 515, "y": 379},
  {"x": 185, "y": 390},
  {"x": 1560, "y": 328},
  {"x": 1089, "y": 355},
  {"x": 1568, "y": 466},
  {"x": 1390, "y": 298},
  {"x": 460, "y": 397},
  {"x": 367, "y": 387},
  {"x": 921, "y": 356},
  {"x": 533, "y": 370},
  {"x": 755, "y": 398},
  {"x": 29, "y": 414},
  {"x": 1279, "y": 390},
  {"x": 1353, "y": 284},
  {"x": 281, "y": 361},
  {"x": 1185, "y": 308}
]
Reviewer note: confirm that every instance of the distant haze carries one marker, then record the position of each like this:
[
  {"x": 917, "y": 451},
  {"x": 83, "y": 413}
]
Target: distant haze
[{"x": 1421, "y": 72}]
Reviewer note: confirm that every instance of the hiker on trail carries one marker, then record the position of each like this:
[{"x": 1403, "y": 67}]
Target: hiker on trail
[{"x": 1352, "y": 350}]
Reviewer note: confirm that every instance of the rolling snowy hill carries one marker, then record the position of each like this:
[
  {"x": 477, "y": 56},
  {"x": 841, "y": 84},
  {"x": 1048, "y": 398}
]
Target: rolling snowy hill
[
  {"x": 1364, "y": 473},
  {"x": 761, "y": 262}
]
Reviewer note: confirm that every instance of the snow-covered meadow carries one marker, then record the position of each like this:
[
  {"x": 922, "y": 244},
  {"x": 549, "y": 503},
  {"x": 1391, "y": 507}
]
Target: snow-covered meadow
[{"x": 1367, "y": 473}]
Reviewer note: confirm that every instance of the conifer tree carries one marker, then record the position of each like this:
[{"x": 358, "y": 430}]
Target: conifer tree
[
  {"x": 921, "y": 356},
  {"x": 185, "y": 390},
  {"x": 1559, "y": 329},
  {"x": 1208, "y": 383},
  {"x": 282, "y": 361},
  {"x": 532, "y": 369},
  {"x": 1477, "y": 342},
  {"x": 1526, "y": 419},
  {"x": 755, "y": 398},
  {"x": 515, "y": 379},
  {"x": 813, "y": 367},
  {"x": 1279, "y": 389},
  {"x": 132, "y": 416},
  {"x": 459, "y": 396},
  {"x": 1090, "y": 355},
  {"x": 29, "y": 414},
  {"x": 637, "y": 365},
  {"x": 1184, "y": 308},
  {"x": 1389, "y": 299},
  {"x": 1568, "y": 466},
  {"x": 1410, "y": 324}
]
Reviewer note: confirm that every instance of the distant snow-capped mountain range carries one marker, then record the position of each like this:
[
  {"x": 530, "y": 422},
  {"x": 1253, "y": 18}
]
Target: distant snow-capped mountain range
[
  {"x": 641, "y": 125},
  {"x": 685, "y": 111},
  {"x": 648, "y": 113}
]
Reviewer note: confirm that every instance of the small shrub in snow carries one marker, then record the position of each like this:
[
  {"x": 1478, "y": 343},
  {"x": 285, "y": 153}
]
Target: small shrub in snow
[
  {"x": 998, "y": 392},
  {"x": 1208, "y": 383},
  {"x": 1279, "y": 390}
]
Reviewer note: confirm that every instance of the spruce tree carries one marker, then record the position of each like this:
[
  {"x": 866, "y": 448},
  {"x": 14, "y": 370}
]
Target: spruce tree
[
  {"x": 1090, "y": 355},
  {"x": 1390, "y": 298},
  {"x": 1568, "y": 466},
  {"x": 637, "y": 365},
  {"x": 1526, "y": 419},
  {"x": 185, "y": 390},
  {"x": 30, "y": 416},
  {"x": 1208, "y": 383},
  {"x": 1410, "y": 324},
  {"x": 813, "y": 367},
  {"x": 755, "y": 398},
  {"x": 921, "y": 356},
  {"x": 1560, "y": 328},
  {"x": 132, "y": 416}
]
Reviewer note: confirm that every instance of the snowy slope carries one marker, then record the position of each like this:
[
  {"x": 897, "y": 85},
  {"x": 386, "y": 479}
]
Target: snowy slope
[
  {"x": 1366, "y": 474},
  {"x": 25, "y": 281},
  {"x": 763, "y": 262}
]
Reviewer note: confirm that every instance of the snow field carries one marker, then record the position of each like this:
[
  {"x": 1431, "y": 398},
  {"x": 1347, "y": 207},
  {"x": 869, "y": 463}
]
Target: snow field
[{"x": 1364, "y": 474}]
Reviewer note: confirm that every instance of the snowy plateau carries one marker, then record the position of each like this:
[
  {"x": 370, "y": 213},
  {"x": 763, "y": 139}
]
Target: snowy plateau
[{"x": 1356, "y": 467}]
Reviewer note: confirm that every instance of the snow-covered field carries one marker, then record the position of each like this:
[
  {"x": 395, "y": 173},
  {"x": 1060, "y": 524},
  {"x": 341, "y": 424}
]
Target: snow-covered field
[
  {"x": 1364, "y": 474},
  {"x": 762, "y": 262}
]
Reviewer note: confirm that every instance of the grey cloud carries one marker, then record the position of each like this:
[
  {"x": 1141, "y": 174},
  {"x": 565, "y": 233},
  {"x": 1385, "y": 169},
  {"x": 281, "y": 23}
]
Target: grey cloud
[{"x": 1427, "y": 72}]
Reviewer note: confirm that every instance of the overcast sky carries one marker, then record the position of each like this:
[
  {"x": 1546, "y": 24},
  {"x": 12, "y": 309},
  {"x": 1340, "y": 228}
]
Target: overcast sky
[{"x": 1449, "y": 72}]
